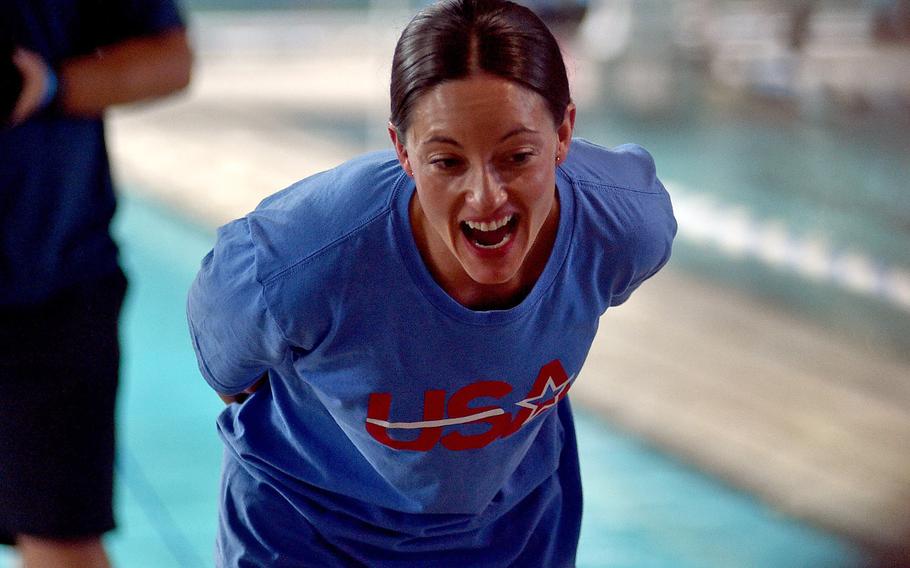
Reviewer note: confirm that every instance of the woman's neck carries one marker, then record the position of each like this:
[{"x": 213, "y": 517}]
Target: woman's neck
[{"x": 451, "y": 277}]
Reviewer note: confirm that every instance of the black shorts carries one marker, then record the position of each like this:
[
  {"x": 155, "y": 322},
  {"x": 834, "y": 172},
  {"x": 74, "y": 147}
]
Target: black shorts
[{"x": 59, "y": 364}]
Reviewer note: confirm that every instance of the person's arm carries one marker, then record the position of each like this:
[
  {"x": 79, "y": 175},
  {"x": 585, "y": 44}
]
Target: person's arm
[
  {"x": 129, "y": 71},
  {"x": 132, "y": 70},
  {"x": 235, "y": 336}
]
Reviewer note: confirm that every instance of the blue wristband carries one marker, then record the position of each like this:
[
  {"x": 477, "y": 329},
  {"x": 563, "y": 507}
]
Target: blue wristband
[{"x": 50, "y": 88}]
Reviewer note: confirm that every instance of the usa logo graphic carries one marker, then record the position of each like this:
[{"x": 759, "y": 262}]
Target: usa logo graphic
[{"x": 551, "y": 386}]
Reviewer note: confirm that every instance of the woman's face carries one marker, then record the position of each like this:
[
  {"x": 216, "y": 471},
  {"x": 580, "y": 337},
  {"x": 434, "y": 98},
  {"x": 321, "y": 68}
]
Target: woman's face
[{"x": 483, "y": 152}]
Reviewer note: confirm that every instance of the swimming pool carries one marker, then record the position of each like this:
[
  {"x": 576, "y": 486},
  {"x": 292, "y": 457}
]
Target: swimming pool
[{"x": 642, "y": 508}]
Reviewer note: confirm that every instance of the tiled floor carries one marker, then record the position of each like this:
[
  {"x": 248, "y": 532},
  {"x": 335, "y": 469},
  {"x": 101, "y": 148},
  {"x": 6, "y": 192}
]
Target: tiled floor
[{"x": 643, "y": 509}]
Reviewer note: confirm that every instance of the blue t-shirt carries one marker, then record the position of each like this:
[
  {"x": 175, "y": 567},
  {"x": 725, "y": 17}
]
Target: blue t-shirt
[
  {"x": 56, "y": 197},
  {"x": 399, "y": 427}
]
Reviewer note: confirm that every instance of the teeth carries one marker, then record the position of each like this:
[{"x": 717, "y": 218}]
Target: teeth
[
  {"x": 502, "y": 243},
  {"x": 489, "y": 226}
]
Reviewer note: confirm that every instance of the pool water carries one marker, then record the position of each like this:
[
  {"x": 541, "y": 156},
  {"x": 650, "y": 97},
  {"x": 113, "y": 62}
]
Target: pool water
[{"x": 643, "y": 509}]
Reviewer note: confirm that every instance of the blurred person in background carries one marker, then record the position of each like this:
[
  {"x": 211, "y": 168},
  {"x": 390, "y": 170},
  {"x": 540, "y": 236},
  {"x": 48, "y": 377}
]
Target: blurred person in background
[
  {"x": 562, "y": 16},
  {"x": 395, "y": 338},
  {"x": 891, "y": 20},
  {"x": 61, "y": 288}
]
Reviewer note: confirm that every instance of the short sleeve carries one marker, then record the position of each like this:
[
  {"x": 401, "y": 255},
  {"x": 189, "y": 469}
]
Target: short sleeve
[
  {"x": 647, "y": 247},
  {"x": 124, "y": 19},
  {"x": 234, "y": 334},
  {"x": 647, "y": 257}
]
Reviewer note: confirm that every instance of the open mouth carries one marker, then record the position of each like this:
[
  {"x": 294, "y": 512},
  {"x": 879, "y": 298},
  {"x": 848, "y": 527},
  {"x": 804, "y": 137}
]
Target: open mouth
[{"x": 492, "y": 235}]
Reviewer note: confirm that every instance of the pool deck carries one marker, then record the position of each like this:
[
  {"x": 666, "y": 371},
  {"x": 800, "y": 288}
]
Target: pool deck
[{"x": 802, "y": 416}]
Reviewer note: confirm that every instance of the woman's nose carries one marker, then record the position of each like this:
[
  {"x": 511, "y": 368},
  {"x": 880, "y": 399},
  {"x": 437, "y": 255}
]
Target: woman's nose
[{"x": 485, "y": 192}]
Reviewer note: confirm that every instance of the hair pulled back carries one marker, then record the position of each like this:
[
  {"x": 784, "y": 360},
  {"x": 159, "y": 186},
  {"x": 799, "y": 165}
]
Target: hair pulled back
[{"x": 454, "y": 39}]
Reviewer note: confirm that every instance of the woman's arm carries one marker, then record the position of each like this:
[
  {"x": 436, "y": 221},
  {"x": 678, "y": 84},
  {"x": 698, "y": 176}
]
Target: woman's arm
[{"x": 235, "y": 336}]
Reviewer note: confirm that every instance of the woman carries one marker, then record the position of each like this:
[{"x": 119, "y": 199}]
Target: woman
[{"x": 412, "y": 322}]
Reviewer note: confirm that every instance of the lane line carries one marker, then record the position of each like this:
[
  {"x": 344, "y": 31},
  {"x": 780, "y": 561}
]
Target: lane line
[
  {"x": 733, "y": 230},
  {"x": 155, "y": 509}
]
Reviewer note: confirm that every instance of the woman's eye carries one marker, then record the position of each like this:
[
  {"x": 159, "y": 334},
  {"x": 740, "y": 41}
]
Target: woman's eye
[
  {"x": 445, "y": 163},
  {"x": 521, "y": 157}
]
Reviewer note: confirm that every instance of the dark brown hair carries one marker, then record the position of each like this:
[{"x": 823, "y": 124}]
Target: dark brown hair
[{"x": 454, "y": 39}]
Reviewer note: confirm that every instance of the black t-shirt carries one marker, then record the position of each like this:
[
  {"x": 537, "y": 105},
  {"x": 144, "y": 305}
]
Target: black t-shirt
[{"x": 56, "y": 196}]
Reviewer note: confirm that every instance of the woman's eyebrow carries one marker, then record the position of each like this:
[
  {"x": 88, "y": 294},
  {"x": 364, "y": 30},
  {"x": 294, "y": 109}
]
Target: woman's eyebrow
[
  {"x": 441, "y": 139},
  {"x": 517, "y": 131}
]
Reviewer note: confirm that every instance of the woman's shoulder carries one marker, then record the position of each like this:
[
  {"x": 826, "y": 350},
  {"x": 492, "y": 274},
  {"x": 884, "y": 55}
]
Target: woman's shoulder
[
  {"x": 618, "y": 193},
  {"x": 322, "y": 211},
  {"x": 623, "y": 212},
  {"x": 626, "y": 167},
  {"x": 617, "y": 189},
  {"x": 362, "y": 181}
]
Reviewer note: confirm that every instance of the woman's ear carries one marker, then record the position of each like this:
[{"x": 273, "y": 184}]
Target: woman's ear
[
  {"x": 400, "y": 149},
  {"x": 564, "y": 132}
]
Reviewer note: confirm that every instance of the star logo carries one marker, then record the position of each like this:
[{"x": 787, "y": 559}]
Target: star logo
[{"x": 549, "y": 395}]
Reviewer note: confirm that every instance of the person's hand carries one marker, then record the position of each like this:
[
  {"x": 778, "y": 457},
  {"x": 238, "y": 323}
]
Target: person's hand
[
  {"x": 240, "y": 397},
  {"x": 34, "y": 84}
]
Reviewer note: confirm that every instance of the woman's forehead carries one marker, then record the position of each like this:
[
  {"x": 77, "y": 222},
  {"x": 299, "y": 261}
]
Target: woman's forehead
[{"x": 496, "y": 106}]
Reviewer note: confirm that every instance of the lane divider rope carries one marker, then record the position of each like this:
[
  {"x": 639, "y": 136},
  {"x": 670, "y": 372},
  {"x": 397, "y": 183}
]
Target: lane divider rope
[{"x": 734, "y": 231}]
